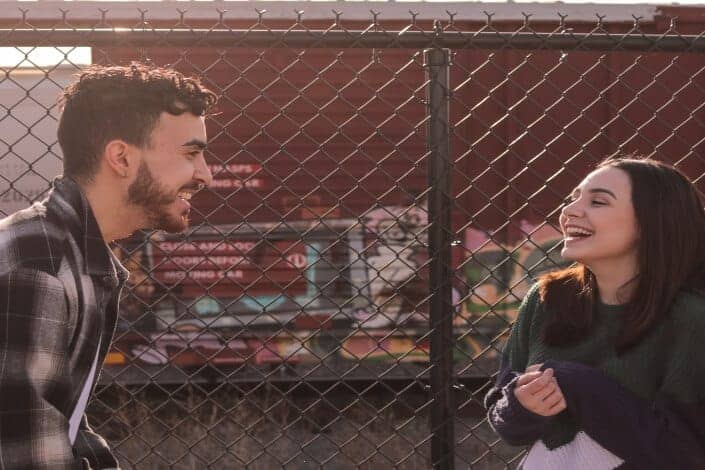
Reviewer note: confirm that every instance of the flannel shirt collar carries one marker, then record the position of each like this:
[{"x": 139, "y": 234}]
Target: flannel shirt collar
[{"x": 77, "y": 212}]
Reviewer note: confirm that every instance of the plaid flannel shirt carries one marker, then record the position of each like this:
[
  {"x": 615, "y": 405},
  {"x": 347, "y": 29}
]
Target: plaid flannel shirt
[{"x": 59, "y": 291}]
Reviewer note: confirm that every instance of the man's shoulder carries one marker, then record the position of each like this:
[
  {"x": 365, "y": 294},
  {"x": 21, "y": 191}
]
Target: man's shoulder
[{"x": 32, "y": 238}]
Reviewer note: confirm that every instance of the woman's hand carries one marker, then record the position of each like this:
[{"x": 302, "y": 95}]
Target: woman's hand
[{"x": 539, "y": 392}]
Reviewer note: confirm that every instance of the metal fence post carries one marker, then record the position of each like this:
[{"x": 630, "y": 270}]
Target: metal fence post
[{"x": 439, "y": 240}]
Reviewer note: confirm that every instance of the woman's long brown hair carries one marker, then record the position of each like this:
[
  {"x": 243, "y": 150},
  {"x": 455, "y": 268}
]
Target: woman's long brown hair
[{"x": 671, "y": 257}]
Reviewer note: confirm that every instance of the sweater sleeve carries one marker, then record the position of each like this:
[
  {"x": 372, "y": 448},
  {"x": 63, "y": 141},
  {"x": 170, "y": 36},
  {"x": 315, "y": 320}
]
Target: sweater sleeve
[
  {"x": 515, "y": 424},
  {"x": 644, "y": 434}
]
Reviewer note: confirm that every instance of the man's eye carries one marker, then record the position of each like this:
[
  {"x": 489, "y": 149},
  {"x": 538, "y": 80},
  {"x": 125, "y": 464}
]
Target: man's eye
[{"x": 598, "y": 203}]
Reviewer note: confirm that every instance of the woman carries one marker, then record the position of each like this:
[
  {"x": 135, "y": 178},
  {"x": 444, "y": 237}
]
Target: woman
[{"x": 605, "y": 365}]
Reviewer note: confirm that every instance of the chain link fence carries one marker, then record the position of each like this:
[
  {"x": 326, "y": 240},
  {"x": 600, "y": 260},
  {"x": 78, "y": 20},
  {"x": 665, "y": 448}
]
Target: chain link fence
[{"x": 383, "y": 196}]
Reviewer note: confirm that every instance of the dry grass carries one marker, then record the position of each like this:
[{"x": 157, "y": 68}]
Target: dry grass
[{"x": 265, "y": 427}]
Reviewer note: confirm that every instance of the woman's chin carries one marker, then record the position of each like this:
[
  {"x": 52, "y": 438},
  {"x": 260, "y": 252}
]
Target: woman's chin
[{"x": 570, "y": 255}]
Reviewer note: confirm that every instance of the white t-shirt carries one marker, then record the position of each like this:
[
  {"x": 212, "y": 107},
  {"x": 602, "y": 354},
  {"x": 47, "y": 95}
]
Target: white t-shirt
[
  {"x": 582, "y": 453},
  {"x": 80, "y": 409}
]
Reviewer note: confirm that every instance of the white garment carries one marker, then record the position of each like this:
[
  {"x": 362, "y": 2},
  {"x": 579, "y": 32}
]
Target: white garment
[
  {"x": 80, "y": 408},
  {"x": 582, "y": 453}
]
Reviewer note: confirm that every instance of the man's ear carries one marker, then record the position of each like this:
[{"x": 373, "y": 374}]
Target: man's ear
[{"x": 119, "y": 157}]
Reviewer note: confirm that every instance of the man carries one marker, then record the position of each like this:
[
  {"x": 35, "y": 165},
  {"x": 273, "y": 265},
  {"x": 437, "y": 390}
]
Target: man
[{"x": 133, "y": 140}]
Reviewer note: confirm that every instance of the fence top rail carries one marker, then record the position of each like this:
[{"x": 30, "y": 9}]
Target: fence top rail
[
  {"x": 342, "y": 39},
  {"x": 86, "y": 10}
]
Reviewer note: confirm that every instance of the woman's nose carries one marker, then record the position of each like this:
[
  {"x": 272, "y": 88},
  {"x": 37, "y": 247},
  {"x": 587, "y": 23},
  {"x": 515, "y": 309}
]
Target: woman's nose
[{"x": 572, "y": 208}]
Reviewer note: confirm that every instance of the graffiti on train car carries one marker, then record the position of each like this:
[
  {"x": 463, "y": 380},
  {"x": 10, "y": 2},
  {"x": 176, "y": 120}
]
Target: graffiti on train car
[
  {"x": 246, "y": 280},
  {"x": 498, "y": 274},
  {"x": 396, "y": 240},
  {"x": 386, "y": 322},
  {"x": 196, "y": 348}
]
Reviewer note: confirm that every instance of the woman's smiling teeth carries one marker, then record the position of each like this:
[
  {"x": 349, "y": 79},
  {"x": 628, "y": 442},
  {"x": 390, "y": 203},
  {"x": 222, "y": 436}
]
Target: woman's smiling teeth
[
  {"x": 572, "y": 231},
  {"x": 577, "y": 232}
]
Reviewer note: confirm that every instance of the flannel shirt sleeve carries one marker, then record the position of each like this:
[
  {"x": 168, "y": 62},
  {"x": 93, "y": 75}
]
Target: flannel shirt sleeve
[
  {"x": 93, "y": 448},
  {"x": 34, "y": 339}
]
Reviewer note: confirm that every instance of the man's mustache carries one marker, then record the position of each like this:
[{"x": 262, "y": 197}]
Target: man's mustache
[{"x": 195, "y": 187}]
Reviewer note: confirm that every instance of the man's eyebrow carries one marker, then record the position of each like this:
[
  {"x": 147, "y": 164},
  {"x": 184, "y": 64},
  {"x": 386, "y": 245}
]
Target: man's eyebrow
[
  {"x": 602, "y": 190},
  {"x": 195, "y": 143}
]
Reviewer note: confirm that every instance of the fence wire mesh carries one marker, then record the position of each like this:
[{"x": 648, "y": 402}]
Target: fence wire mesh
[{"x": 299, "y": 323}]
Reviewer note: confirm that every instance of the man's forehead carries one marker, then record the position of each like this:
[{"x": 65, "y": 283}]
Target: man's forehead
[{"x": 186, "y": 124}]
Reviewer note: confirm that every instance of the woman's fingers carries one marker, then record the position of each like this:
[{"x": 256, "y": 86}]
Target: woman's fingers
[
  {"x": 534, "y": 386},
  {"x": 540, "y": 393},
  {"x": 546, "y": 392},
  {"x": 527, "y": 377},
  {"x": 554, "y": 399},
  {"x": 551, "y": 406},
  {"x": 555, "y": 402},
  {"x": 539, "y": 383},
  {"x": 531, "y": 394},
  {"x": 558, "y": 407}
]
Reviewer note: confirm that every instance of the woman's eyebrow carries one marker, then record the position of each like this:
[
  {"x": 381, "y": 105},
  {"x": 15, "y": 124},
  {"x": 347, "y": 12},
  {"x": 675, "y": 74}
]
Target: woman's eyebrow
[{"x": 602, "y": 190}]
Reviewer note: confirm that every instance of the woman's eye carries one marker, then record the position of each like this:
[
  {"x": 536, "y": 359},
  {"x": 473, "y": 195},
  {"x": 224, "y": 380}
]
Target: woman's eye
[{"x": 598, "y": 203}]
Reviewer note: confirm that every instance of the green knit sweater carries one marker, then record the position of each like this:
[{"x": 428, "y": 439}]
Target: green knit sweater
[{"x": 668, "y": 363}]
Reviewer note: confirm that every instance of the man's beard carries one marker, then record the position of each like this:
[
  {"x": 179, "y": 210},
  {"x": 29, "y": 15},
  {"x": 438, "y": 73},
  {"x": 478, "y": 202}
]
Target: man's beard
[{"x": 147, "y": 193}]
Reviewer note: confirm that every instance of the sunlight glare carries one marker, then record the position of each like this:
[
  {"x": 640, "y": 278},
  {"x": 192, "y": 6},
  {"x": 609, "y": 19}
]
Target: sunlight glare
[{"x": 42, "y": 57}]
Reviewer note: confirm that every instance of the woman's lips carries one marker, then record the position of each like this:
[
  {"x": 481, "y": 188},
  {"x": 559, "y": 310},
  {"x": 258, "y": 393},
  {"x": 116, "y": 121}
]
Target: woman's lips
[{"x": 575, "y": 239}]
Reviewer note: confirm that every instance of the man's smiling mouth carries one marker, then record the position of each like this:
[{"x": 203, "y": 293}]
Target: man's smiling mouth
[{"x": 185, "y": 195}]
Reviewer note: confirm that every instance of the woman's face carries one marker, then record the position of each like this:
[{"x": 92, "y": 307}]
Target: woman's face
[{"x": 599, "y": 223}]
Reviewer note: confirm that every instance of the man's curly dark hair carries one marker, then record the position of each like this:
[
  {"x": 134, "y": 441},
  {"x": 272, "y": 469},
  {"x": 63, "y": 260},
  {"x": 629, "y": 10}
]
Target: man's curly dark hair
[{"x": 116, "y": 102}]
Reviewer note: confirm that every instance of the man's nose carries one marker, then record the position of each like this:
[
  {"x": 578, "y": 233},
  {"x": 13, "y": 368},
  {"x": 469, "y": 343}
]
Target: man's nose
[{"x": 202, "y": 172}]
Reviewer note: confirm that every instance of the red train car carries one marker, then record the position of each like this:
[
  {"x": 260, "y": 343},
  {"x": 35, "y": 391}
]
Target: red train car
[{"x": 311, "y": 243}]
